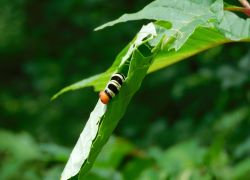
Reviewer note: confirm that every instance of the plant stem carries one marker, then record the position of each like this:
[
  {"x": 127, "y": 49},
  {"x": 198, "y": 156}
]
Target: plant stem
[{"x": 245, "y": 3}]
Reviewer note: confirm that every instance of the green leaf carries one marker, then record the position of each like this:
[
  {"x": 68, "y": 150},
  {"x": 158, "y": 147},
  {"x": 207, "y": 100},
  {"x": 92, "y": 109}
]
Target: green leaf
[
  {"x": 201, "y": 40},
  {"x": 84, "y": 144},
  {"x": 185, "y": 17},
  {"x": 235, "y": 28},
  {"x": 117, "y": 107},
  {"x": 99, "y": 81},
  {"x": 230, "y": 28},
  {"x": 136, "y": 62}
]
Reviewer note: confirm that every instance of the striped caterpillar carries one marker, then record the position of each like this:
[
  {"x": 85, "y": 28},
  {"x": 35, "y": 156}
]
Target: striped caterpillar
[{"x": 113, "y": 88}]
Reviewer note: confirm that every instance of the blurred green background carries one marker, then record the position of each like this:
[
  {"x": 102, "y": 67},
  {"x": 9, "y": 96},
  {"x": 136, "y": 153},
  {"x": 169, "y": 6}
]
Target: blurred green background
[{"x": 188, "y": 121}]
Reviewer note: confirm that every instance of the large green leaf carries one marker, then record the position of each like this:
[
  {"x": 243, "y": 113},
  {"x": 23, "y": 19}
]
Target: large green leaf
[
  {"x": 185, "y": 17},
  {"x": 195, "y": 27},
  {"x": 201, "y": 40},
  {"x": 231, "y": 28},
  {"x": 117, "y": 107},
  {"x": 103, "y": 119}
]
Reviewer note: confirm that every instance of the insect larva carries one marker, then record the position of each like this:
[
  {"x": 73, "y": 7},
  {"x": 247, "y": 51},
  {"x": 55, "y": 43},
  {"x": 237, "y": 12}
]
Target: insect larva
[{"x": 112, "y": 88}]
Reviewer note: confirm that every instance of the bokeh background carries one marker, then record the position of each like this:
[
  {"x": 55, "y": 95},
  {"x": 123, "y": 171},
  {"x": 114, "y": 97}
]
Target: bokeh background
[{"x": 188, "y": 121}]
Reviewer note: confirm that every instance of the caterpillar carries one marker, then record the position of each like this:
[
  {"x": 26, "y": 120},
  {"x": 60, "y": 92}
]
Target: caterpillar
[{"x": 113, "y": 88}]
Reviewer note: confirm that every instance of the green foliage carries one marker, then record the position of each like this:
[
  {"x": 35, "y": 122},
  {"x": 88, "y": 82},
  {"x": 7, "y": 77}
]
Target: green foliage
[
  {"x": 200, "y": 105},
  {"x": 184, "y": 19},
  {"x": 19, "y": 152},
  {"x": 192, "y": 38},
  {"x": 116, "y": 108}
]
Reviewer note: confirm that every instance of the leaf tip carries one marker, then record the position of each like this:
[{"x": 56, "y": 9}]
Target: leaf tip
[
  {"x": 58, "y": 94},
  {"x": 100, "y": 27},
  {"x": 53, "y": 97},
  {"x": 97, "y": 28}
]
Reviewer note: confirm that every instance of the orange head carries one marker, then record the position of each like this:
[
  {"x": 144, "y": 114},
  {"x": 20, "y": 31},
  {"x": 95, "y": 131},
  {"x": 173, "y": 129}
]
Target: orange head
[{"x": 104, "y": 97}]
